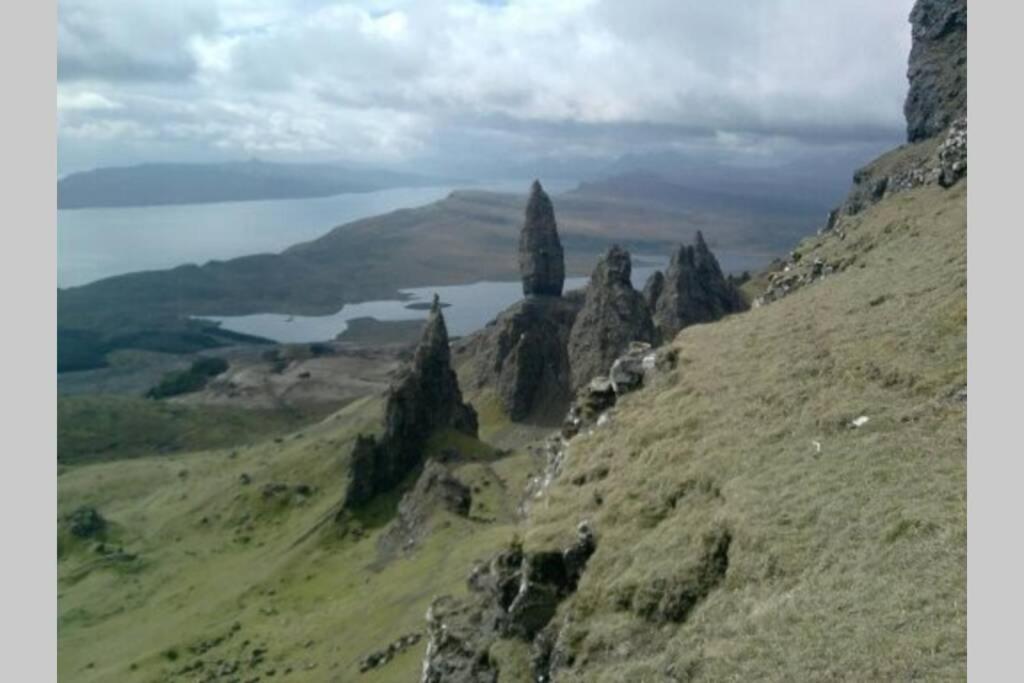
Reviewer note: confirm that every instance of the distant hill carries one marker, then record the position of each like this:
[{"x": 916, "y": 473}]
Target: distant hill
[{"x": 159, "y": 183}]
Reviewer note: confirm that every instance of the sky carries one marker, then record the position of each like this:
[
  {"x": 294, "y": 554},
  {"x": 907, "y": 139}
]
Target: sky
[{"x": 473, "y": 86}]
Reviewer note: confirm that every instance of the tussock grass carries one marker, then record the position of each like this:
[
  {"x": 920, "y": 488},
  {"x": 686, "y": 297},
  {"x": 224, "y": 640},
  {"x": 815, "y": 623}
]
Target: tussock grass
[{"x": 844, "y": 564}]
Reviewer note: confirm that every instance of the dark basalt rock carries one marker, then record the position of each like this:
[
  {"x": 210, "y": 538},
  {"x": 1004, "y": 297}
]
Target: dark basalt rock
[
  {"x": 613, "y": 315},
  {"x": 653, "y": 288},
  {"x": 424, "y": 398},
  {"x": 541, "y": 259},
  {"x": 522, "y": 354},
  {"x": 695, "y": 291},
  {"x": 514, "y": 595},
  {"x": 937, "y": 69}
]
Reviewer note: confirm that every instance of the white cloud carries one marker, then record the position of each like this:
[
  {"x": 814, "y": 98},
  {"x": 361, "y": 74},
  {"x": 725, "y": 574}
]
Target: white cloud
[{"x": 84, "y": 101}]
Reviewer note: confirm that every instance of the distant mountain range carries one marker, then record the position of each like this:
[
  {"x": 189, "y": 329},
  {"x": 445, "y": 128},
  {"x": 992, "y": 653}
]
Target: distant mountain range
[{"x": 173, "y": 183}]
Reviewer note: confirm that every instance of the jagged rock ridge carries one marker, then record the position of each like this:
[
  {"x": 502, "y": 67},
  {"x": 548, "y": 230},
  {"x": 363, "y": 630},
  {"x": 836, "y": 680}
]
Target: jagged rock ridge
[
  {"x": 613, "y": 315},
  {"x": 541, "y": 259},
  {"x": 425, "y": 398},
  {"x": 693, "y": 290}
]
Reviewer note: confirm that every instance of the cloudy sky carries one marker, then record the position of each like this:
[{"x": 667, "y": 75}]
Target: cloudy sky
[{"x": 451, "y": 85}]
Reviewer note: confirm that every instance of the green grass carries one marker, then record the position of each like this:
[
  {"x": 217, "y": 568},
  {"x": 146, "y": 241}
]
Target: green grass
[
  {"x": 108, "y": 427},
  {"x": 211, "y": 551}
]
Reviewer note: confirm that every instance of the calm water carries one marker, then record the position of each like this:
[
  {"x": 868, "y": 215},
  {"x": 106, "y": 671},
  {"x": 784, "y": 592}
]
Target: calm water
[
  {"x": 471, "y": 307},
  {"x": 96, "y": 243}
]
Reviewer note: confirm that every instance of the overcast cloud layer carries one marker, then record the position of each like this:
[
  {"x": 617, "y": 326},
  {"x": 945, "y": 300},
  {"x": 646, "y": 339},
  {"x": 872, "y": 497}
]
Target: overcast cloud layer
[{"x": 455, "y": 84}]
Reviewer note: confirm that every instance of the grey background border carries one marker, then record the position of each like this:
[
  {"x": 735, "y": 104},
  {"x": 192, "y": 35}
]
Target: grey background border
[
  {"x": 995, "y": 246},
  {"x": 28, "y": 503},
  {"x": 995, "y": 419}
]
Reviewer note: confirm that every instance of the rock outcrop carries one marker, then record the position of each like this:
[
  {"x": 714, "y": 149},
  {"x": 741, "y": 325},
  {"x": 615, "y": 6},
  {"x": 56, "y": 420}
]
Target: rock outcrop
[
  {"x": 937, "y": 69},
  {"x": 936, "y": 113},
  {"x": 86, "y": 522},
  {"x": 436, "y": 490},
  {"x": 514, "y": 595},
  {"x": 613, "y": 315},
  {"x": 629, "y": 372},
  {"x": 694, "y": 291},
  {"x": 523, "y": 355},
  {"x": 541, "y": 259},
  {"x": 424, "y": 398}
]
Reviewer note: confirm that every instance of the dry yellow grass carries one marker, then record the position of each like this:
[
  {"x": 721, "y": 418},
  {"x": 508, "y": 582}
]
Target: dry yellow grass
[{"x": 844, "y": 564}]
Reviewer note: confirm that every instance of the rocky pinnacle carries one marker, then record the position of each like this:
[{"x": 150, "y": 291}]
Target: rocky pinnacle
[
  {"x": 423, "y": 399},
  {"x": 694, "y": 291},
  {"x": 541, "y": 259}
]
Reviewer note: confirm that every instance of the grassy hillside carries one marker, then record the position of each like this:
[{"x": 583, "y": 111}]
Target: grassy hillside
[
  {"x": 109, "y": 427},
  {"x": 197, "y": 546},
  {"x": 846, "y": 545}
]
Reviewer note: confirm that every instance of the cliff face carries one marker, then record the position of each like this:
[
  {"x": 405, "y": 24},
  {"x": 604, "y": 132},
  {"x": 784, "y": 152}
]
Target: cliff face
[
  {"x": 693, "y": 290},
  {"x": 937, "y": 68},
  {"x": 425, "y": 398}
]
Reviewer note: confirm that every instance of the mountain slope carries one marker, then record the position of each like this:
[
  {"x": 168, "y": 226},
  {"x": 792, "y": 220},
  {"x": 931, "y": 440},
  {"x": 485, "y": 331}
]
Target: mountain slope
[{"x": 844, "y": 563}]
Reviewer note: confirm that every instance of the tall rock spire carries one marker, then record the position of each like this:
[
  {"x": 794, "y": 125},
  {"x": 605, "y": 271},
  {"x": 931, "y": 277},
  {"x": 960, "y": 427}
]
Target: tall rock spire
[
  {"x": 425, "y": 398},
  {"x": 541, "y": 259}
]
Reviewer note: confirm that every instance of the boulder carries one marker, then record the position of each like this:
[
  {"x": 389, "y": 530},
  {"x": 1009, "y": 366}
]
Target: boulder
[
  {"x": 86, "y": 522},
  {"x": 541, "y": 259},
  {"x": 628, "y": 370},
  {"x": 937, "y": 69},
  {"x": 613, "y": 315},
  {"x": 694, "y": 291}
]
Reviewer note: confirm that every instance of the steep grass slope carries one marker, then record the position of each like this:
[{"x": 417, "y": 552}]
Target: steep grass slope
[{"x": 746, "y": 529}]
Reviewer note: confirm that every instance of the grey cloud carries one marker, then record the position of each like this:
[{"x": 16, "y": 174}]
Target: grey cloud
[
  {"x": 402, "y": 81},
  {"x": 122, "y": 40}
]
